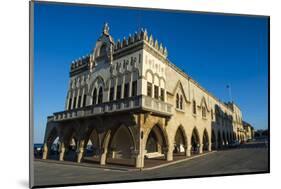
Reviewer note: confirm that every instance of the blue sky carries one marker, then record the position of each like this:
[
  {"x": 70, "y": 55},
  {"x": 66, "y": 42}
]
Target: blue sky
[{"x": 213, "y": 49}]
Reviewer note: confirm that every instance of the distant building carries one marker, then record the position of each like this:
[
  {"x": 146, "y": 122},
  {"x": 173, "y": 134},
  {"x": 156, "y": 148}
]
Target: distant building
[
  {"x": 127, "y": 102},
  {"x": 249, "y": 130}
]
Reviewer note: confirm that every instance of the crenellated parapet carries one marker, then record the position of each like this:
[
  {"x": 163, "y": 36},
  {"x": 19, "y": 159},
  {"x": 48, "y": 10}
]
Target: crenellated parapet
[
  {"x": 80, "y": 65},
  {"x": 142, "y": 35}
]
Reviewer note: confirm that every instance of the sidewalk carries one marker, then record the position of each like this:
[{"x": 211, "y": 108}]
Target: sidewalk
[{"x": 150, "y": 164}]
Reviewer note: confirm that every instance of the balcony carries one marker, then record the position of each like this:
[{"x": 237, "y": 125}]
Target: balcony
[{"x": 142, "y": 103}]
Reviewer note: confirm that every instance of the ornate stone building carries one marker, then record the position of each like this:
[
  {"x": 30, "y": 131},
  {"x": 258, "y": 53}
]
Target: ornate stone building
[{"x": 127, "y": 102}]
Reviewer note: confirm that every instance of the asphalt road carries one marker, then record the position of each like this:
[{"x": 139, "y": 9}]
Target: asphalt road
[{"x": 248, "y": 158}]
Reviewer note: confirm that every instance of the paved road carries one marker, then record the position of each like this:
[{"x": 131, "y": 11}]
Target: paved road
[{"x": 251, "y": 157}]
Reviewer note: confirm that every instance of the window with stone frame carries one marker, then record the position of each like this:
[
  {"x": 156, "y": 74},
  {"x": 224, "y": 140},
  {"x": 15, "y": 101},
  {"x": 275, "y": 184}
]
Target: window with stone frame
[
  {"x": 111, "y": 94},
  {"x": 126, "y": 90},
  {"x": 181, "y": 102},
  {"x": 204, "y": 112},
  {"x": 149, "y": 89},
  {"x": 94, "y": 101},
  {"x": 194, "y": 107},
  {"x": 212, "y": 116},
  {"x": 177, "y": 101},
  {"x": 84, "y": 100},
  {"x": 156, "y": 91},
  {"x": 100, "y": 95},
  {"x": 74, "y": 103},
  {"x": 79, "y": 101},
  {"x": 162, "y": 94},
  {"x": 69, "y": 103},
  {"x": 134, "y": 88},
  {"x": 118, "y": 92}
]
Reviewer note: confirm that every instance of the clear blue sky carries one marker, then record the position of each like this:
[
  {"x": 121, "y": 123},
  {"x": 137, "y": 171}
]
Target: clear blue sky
[{"x": 213, "y": 49}]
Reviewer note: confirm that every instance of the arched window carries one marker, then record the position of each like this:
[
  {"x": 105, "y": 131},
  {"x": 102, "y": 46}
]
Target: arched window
[
  {"x": 181, "y": 101},
  {"x": 203, "y": 111},
  {"x": 194, "y": 107},
  {"x": 177, "y": 101},
  {"x": 100, "y": 96},
  {"x": 94, "y": 97},
  {"x": 212, "y": 116}
]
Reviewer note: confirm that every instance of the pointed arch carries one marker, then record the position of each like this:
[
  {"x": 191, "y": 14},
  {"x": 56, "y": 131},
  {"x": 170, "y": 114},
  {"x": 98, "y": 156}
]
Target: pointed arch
[
  {"x": 180, "y": 140},
  {"x": 96, "y": 83},
  {"x": 92, "y": 143},
  {"x": 122, "y": 143},
  {"x": 100, "y": 96},
  {"x": 179, "y": 85},
  {"x": 205, "y": 140},
  {"x": 203, "y": 103},
  {"x": 195, "y": 140},
  {"x": 214, "y": 139},
  {"x": 156, "y": 140},
  {"x": 94, "y": 97}
]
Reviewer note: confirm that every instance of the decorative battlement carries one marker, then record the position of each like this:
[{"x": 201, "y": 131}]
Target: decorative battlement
[
  {"x": 139, "y": 36},
  {"x": 80, "y": 62},
  {"x": 80, "y": 65},
  {"x": 106, "y": 47}
]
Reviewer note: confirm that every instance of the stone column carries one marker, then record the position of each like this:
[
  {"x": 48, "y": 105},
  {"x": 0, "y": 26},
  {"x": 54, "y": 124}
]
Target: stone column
[
  {"x": 210, "y": 147},
  {"x": 103, "y": 157},
  {"x": 169, "y": 154},
  {"x": 200, "y": 149},
  {"x": 45, "y": 151},
  {"x": 188, "y": 151},
  {"x": 80, "y": 151},
  {"x": 139, "y": 159},
  {"x": 62, "y": 150}
]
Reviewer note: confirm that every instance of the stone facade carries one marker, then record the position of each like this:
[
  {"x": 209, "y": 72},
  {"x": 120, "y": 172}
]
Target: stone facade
[{"x": 127, "y": 102}]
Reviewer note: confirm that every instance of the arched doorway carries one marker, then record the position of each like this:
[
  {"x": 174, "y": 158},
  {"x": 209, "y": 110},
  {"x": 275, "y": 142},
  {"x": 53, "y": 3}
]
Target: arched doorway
[
  {"x": 53, "y": 145},
  {"x": 213, "y": 139},
  {"x": 155, "y": 143},
  {"x": 122, "y": 144},
  {"x": 92, "y": 148},
  {"x": 205, "y": 140},
  {"x": 71, "y": 147},
  {"x": 195, "y": 141},
  {"x": 179, "y": 142}
]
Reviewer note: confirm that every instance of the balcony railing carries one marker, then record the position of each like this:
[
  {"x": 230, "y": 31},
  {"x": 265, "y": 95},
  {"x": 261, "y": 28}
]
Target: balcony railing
[{"x": 139, "y": 102}]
